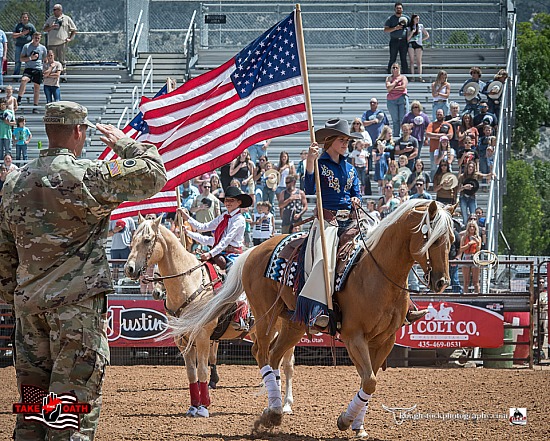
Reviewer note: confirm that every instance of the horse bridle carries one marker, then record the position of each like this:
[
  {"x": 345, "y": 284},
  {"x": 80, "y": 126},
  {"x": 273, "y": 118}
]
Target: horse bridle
[
  {"x": 425, "y": 229},
  {"x": 202, "y": 287}
]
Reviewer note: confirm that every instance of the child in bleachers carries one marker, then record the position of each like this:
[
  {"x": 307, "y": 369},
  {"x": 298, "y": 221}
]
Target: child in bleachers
[
  {"x": 263, "y": 222},
  {"x": 21, "y": 136},
  {"x": 11, "y": 100}
]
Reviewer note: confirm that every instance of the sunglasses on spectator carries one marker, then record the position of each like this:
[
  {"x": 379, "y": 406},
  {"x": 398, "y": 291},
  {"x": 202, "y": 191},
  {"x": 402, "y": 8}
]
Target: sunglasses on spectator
[
  {"x": 415, "y": 107},
  {"x": 389, "y": 187},
  {"x": 395, "y": 67},
  {"x": 207, "y": 186},
  {"x": 374, "y": 102},
  {"x": 419, "y": 184}
]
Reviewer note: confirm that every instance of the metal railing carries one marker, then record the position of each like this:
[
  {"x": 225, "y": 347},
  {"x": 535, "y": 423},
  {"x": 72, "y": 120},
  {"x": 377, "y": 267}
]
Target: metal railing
[
  {"x": 134, "y": 44},
  {"x": 504, "y": 140},
  {"x": 189, "y": 46},
  {"x": 147, "y": 75}
]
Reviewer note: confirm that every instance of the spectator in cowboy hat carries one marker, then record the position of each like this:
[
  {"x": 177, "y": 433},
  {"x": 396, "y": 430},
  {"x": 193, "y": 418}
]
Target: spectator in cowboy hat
[
  {"x": 493, "y": 91},
  {"x": 470, "y": 91}
]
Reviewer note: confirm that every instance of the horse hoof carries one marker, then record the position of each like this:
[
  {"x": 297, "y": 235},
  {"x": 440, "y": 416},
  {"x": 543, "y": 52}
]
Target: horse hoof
[
  {"x": 361, "y": 433},
  {"x": 270, "y": 418},
  {"x": 212, "y": 385},
  {"x": 202, "y": 412},
  {"x": 191, "y": 412},
  {"x": 287, "y": 409},
  {"x": 343, "y": 422}
]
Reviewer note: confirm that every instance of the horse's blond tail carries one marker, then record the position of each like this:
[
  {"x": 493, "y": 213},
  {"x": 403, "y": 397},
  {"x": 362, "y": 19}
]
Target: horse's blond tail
[{"x": 202, "y": 311}]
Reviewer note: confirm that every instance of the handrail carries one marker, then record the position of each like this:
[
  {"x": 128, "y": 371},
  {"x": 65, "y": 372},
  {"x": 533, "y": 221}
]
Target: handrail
[
  {"x": 189, "y": 46},
  {"x": 134, "y": 43},
  {"x": 505, "y": 119},
  {"x": 136, "y": 97},
  {"x": 124, "y": 112},
  {"x": 149, "y": 77},
  {"x": 493, "y": 212}
]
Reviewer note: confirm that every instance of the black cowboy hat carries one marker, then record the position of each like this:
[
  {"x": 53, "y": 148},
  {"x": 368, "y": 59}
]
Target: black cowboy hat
[
  {"x": 236, "y": 193},
  {"x": 475, "y": 186},
  {"x": 335, "y": 127}
]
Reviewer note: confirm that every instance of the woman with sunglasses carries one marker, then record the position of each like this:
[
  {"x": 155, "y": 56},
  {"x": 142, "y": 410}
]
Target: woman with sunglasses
[
  {"x": 358, "y": 127},
  {"x": 418, "y": 173},
  {"x": 467, "y": 128},
  {"x": 397, "y": 98}
]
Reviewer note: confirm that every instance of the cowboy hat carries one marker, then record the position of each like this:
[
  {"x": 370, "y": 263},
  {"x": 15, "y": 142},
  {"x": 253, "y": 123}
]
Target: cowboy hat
[
  {"x": 475, "y": 186},
  {"x": 335, "y": 127},
  {"x": 272, "y": 179},
  {"x": 495, "y": 89},
  {"x": 471, "y": 90},
  {"x": 236, "y": 193},
  {"x": 449, "y": 181},
  {"x": 405, "y": 172}
]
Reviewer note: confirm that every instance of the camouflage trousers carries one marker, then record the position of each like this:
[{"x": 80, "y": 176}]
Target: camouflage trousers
[{"x": 63, "y": 351}]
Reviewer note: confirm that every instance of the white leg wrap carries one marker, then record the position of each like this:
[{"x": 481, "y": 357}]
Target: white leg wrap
[
  {"x": 357, "y": 405},
  {"x": 274, "y": 399},
  {"x": 358, "y": 422}
]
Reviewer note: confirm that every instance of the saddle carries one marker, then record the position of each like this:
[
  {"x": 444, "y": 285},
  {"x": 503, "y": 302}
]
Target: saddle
[{"x": 346, "y": 243}]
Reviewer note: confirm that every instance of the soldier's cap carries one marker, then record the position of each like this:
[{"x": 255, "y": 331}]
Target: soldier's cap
[{"x": 66, "y": 113}]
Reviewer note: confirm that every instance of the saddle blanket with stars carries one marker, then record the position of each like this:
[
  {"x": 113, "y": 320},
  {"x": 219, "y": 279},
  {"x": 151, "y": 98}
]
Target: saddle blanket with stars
[{"x": 284, "y": 271}]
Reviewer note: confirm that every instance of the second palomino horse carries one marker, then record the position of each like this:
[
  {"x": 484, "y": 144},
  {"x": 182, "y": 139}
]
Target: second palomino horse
[
  {"x": 373, "y": 301},
  {"x": 152, "y": 244}
]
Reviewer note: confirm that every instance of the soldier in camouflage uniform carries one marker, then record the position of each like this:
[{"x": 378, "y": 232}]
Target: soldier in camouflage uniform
[{"x": 54, "y": 220}]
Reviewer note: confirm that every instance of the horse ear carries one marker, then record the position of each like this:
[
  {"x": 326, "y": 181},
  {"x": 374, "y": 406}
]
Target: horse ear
[
  {"x": 157, "y": 222},
  {"x": 140, "y": 218},
  {"x": 451, "y": 208},
  {"x": 432, "y": 209}
]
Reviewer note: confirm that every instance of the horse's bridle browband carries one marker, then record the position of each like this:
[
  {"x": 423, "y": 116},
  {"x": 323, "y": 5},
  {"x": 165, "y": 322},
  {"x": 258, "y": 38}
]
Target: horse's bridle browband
[{"x": 426, "y": 274}]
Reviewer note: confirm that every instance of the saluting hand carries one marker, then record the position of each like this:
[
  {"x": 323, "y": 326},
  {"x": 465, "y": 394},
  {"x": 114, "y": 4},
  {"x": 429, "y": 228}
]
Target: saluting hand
[{"x": 111, "y": 134}]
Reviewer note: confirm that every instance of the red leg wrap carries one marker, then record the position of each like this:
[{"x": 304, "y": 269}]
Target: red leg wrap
[
  {"x": 195, "y": 393},
  {"x": 205, "y": 394}
]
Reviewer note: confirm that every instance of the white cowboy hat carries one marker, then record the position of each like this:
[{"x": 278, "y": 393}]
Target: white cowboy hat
[
  {"x": 495, "y": 89},
  {"x": 471, "y": 90},
  {"x": 272, "y": 179},
  {"x": 449, "y": 181}
]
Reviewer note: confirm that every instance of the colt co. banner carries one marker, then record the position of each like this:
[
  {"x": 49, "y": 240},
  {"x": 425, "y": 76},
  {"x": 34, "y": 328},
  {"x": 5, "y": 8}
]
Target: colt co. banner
[{"x": 455, "y": 325}]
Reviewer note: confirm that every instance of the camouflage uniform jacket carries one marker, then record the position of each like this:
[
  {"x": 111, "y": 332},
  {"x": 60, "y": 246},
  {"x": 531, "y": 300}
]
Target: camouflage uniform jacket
[{"x": 54, "y": 221}]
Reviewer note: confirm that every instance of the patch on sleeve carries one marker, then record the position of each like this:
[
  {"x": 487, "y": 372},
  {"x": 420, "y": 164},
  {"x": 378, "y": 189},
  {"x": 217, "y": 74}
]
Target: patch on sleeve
[
  {"x": 129, "y": 163},
  {"x": 113, "y": 167}
]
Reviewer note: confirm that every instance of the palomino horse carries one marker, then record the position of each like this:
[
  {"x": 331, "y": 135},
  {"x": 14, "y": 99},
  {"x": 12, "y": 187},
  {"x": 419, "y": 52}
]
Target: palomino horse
[
  {"x": 153, "y": 243},
  {"x": 373, "y": 301}
]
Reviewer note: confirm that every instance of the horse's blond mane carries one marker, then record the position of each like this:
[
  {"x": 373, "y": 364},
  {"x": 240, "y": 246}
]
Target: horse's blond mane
[{"x": 440, "y": 226}]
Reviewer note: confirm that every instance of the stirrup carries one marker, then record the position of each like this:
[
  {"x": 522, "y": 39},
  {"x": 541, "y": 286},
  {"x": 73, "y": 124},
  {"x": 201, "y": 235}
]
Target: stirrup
[{"x": 413, "y": 316}]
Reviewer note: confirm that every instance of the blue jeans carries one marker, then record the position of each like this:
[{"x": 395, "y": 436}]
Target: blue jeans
[
  {"x": 53, "y": 93},
  {"x": 483, "y": 165},
  {"x": 397, "y": 109},
  {"x": 467, "y": 204},
  {"x": 255, "y": 150},
  {"x": 455, "y": 282},
  {"x": 21, "y": 152},
  {"x": 412, "y": 281},
  {"x": 5, "y": 147},
  {"x": 441, "y": 105},
  {"x": 17, "y": 68}
]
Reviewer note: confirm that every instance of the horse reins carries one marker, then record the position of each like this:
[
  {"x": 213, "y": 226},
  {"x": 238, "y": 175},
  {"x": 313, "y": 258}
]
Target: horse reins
[{"x": 426, "y": 276}]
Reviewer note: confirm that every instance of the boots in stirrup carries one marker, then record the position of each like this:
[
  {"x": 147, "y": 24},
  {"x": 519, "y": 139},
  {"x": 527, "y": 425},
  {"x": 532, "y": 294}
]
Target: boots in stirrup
[{"x": 413, "y": 313}]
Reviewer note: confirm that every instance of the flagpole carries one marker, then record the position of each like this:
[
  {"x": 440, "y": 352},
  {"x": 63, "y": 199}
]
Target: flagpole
[
  {"x": 170, "y": 86},
  {"x": 320, "y": 216}
]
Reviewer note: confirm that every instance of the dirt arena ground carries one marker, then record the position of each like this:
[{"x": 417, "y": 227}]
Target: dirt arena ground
[{"x": 148, "y": 403}]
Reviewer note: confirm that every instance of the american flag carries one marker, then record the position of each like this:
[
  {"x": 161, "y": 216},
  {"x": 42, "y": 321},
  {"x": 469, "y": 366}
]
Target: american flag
[
  {"x": 33, "y": 394},
  {"x": 212, "y": 118}
]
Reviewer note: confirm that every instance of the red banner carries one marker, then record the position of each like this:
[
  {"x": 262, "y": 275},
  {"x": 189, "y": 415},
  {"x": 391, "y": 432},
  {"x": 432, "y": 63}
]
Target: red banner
[{"x": 455, "y": 325}]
